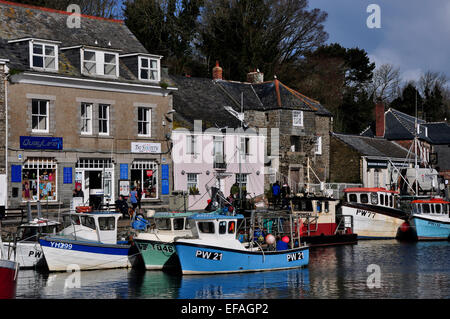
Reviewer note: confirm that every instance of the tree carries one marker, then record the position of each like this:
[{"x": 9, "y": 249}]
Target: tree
[
  {"x": 408, "y": 101},
  {"x": 99, "y": 8},
  {"x": 265, "y": 34},
  {"x": 338, "y": 78},
  {"x": 385, "y": 83},
  {"x": 165, "y": 27}
]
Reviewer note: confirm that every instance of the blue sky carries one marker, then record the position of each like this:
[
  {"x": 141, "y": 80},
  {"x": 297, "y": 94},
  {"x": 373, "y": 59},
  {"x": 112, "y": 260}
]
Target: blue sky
[{"x": 414, "y": 34}]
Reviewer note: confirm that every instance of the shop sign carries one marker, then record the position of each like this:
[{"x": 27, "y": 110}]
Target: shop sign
[
  {"x": 41, "y": 143},
  {"x": 153, "y": 148}
]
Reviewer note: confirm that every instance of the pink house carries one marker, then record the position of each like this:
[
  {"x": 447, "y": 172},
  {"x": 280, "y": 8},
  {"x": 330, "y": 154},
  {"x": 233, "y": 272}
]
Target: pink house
[{"x": 215, "y": 158}]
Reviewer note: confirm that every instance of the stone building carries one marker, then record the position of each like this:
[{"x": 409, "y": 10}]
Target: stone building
[
  {"x": 86, "y": 105},
  {"x": 297, "y": 128}
]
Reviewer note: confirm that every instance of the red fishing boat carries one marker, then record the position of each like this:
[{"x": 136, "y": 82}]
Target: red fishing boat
[{"x": 8, "y": 278}]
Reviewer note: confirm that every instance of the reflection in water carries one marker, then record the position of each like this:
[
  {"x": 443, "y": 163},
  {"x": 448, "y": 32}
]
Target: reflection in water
[
  {"x": 273, "y": 284},
  {"x": 407, "y": 270}
]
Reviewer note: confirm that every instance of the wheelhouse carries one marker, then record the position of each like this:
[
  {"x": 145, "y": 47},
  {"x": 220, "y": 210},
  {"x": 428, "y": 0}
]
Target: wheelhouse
[
  {"x": 371, "y": 196},
  {"x": 172, "y": 221},
  {"x": 30, "y": 232},
  {"x": 93, "y": 226},
  {"x": 214, "y": 226},
  {"x": 433, "y": 206}
]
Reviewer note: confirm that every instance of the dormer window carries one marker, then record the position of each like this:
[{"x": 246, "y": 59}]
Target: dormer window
[
  {"x": 100, "y": 63},
  {"x": 44, "y": 56},
  {"x": 148, "y": 69}
]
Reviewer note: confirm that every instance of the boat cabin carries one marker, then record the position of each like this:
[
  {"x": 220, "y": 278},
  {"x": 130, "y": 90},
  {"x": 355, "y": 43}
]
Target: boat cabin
[
  {"x": 171, "y": 222},
  {"x": 214, "y": 226},
  {"x": 434, "y": 206},
  {"x": 31, "y": 231},
  {"x": 371, "y": 196},
  {"x": 91, "y": 226}
]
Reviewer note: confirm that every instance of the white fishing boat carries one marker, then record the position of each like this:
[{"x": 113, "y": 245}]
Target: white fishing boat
[
  {"x": 431, "y": 219},
  {"x": 374, "y": 211},
  {"x": 88, "y": 241},
  {"x": 28, "y": 250},
  {"x": 214, "y": 248}
]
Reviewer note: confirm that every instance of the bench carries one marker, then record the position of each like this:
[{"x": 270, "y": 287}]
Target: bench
[{"x": 12, "y": 214}]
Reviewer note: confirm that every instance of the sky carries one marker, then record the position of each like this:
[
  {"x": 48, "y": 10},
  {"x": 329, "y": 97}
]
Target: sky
[{"x": 414, "y": 35}]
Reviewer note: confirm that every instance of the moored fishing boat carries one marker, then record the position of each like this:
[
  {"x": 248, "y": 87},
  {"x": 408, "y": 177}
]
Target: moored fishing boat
[
  {"x": 156, "y": 244},
  {"x": 431, "y": 219},
  {"x": 88, "y": 241},
  {"x": 374, "y": 211},
  {"x": 214, "y": 248},
  {"x": 321, "y": 224},
  {"x": 9, "y": 270},
  {"x": 28, "y": 250}
]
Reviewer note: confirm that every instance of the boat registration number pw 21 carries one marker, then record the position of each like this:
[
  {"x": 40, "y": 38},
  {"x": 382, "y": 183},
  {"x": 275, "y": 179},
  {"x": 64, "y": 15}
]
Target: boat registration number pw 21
[
  {"x": 60, "y": 245},
  {"x": 295, "y": 256},
  {"x": 208, "y": 255}
]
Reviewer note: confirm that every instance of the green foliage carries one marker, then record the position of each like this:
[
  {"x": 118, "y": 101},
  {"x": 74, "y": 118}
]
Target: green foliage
[{"x": 165, "y": 27}]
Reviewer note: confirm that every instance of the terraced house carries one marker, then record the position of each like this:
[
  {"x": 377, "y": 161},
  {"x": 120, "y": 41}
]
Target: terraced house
[
  {"x": 81, "y": 104},
  {"x": 296, "y": 128}
]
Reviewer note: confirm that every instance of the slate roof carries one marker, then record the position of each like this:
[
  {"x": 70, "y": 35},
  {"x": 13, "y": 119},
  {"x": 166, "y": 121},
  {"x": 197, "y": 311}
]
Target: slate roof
[
  {"x": 439, "y": 132},
  {"x": 372, "y": 146},
  {"x": 18, "y": 21},
  {"x": 205, "y": 99},
  {"x": 400, "y": 126}
]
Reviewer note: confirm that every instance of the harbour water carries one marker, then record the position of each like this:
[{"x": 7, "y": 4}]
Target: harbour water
[{"x": 369, "y": 269}]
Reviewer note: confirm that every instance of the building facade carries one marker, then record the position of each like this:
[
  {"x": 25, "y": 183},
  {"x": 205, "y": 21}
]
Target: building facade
[{"x": 84, "y": 106}]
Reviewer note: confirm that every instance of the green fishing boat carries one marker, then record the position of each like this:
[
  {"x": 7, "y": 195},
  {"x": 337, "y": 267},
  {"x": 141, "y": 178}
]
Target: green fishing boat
[{"x": 156, "y": 244}]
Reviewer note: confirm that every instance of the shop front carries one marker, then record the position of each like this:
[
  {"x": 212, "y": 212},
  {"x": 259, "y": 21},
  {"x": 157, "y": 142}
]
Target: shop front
[{"x": 96, "y": 178}]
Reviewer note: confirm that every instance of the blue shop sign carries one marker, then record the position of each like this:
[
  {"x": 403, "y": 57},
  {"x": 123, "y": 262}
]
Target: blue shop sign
[{"x": 41, "y": 143}]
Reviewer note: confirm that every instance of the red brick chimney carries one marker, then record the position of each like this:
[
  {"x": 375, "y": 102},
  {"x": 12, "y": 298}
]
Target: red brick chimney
[
  {"x": 379, "y": 118},
  {"x": 217, "y": 72}
]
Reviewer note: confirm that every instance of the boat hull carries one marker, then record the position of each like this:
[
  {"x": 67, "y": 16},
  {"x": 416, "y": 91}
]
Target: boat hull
[
  {"x": 157, "y": 255},
  {"x": 28, "y": 255},
  {"x": 8, "y": 279},
  {"x": 64, "y": 255},
  {"x": 202, "y": 259},
  {"x": 371, "y": 224},
  {"x": 430, "y": 229}
]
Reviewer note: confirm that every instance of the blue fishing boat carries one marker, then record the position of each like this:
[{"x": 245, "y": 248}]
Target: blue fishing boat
[
  {"x": 214, "y": 248},
  {"x": 431, "y": 219}
]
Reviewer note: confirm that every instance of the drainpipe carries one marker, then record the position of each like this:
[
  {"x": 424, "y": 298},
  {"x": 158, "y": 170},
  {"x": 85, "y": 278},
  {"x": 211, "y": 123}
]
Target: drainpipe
[{"x": 6, "y": 70}]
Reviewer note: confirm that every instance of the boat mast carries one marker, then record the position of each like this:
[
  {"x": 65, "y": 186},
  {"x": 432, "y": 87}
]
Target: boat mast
[
  {"x": 415, "y": 149},
  {"x": 240, "y": 150}
]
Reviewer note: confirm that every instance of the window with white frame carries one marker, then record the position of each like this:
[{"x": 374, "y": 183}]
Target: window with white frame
[
  {"x": 148, "y": 69},
  {"x": 192, "y": 183},
  {"x": 100, "y": 63},
  {"x": 144, "y": 124},
  {"x": 245, "y": 146},
  {"x": 44, "y": 56},
  {"x": 241, "y": 180},
  {"x": 318, "y": 146},
  {"x": 39, "y": 179},
  {"x": 103, "y": 119},
  {"x": 39, "y": 115},
  {"x": 86, "y": 118},
  {"x": 145, "y": 175},
  {"x": 191, "y": 144},
  {"x": 297, "y": 118}
]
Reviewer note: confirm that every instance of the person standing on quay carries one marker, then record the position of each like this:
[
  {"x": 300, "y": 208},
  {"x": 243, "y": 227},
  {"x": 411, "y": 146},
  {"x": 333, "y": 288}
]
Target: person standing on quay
[{"x": 134, "y": 198}]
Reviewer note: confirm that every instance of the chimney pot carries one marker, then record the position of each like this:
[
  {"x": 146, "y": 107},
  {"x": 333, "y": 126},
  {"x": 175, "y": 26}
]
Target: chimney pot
[
  {"x": 217, "y": 72},
  {"x": 255, "y": 77}
]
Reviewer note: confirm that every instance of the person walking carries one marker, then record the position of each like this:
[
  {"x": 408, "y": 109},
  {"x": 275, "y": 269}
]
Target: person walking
[
  {"x": 134, "y": 198},
  {"x": 276, "y": 193}
]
